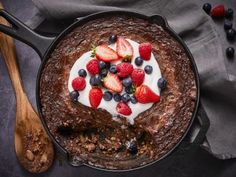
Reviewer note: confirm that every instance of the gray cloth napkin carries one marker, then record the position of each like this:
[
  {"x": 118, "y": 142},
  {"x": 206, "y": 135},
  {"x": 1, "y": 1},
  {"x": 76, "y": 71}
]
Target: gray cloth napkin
[{"x": 218, "y": 82}]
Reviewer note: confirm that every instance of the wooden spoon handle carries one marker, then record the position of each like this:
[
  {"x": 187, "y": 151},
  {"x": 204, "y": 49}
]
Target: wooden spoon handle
[{"x": 8, "y": 51}]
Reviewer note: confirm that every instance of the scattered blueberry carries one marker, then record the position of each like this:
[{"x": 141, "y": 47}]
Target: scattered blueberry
[
  {"x": 82, "y": 73},
  {"x": 107, "y": 96},
  {"x": 125, "y": 97},
  {"x": 112, "y": 39},
  {"x": 162, "y": 83},
  {"x": 74, "y": 95},
  {"x": 129, "y": 90},
  {"x": 148, "y": 69},
  {"x": 113, "y": 69},
  {"x": 132, "y": 146},
  {"x": 127, "y": 82},
  {"x": 138, "y": 61},
  {"x": 230, "y": 34},
  {"x": 207, "y": 8},
  {"x": 228, "y": 25},
  {"x": 101, "y": 65},
  {"x": 229, "y": 13},
  {"x": 117, "y": 97},
  {"x": 133, "y": 100},
  {"x": 103, "y": 72},
  {"x": 230, "y": 52}
]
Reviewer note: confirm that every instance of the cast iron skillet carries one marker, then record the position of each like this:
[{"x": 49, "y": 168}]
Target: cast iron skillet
[{"x": 45, "y": 45}]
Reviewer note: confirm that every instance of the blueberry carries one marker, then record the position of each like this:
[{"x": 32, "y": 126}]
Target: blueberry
[
  {"x": 82, "y": 73},
  {"x": 117, "y": 97},
  {"x": 74, "y": 95},
  {"x": 113, "y": 69},
  {"x": 127, "y": 82},
  {"x": 108, "y": 64},
  {"x": 103, "y": 72},
  {"x": 161, "y": 83},
  {"x": 230, "y": 52},
  {"x": 107, "y": 96},
  {"x": 207, "y": 7},
  {"x": 230, "y": 34},
  {"x": 95, "y": 80},
  {"x": 132, "y": 146},
  {"x": 129, "y": 90},
  {"x": 148, "y": 69},
  {"x": 112, "y": 39},
  {"x": 101, "y": 65},
  {"x": 125, "y": 97},
  {"x": 98, "y": 79},
  {"x": 133, "y": 100},
  {"x": 229, "y": 13},
  {"x": 228, "y": 25},
  {"x": 138, "y": 61},
  {"x": 92, "y": 81}
]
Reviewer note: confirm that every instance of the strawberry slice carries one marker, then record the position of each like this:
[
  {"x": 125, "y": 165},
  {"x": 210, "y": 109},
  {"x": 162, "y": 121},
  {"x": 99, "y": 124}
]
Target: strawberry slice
[
  {"x": 112, "y": 82},
  {"x": 95, "y": 97},
  {"x": 105, "y": 53},
  {"x": 123, "y": 108},
  {"x": 144, "y": 95},
  {"x": 124, "y": 48}
]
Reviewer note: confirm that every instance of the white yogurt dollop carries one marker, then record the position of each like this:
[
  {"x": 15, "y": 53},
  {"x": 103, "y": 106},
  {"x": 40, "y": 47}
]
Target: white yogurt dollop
[{"x": 110, "y": 106}]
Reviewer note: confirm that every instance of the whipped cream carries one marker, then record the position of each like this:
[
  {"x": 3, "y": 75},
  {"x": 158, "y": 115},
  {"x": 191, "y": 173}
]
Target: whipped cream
[{"x": 110, "y": 106}]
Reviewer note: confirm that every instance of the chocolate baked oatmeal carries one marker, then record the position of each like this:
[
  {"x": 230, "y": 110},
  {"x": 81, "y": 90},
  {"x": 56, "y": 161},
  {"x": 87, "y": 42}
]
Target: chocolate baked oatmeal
[{"x": 140, "y": 128}]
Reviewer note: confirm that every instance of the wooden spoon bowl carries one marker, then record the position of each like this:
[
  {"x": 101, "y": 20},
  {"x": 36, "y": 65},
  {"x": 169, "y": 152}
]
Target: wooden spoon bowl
[{"x": 33, "y": 147}]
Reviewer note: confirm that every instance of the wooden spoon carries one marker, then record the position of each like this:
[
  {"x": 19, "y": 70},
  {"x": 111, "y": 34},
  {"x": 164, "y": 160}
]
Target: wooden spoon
[{"x": 33, "y": 147}]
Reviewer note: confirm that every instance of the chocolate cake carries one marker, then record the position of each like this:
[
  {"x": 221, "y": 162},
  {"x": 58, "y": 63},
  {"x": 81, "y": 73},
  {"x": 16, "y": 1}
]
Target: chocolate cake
[{"x": 93, "y": 135}]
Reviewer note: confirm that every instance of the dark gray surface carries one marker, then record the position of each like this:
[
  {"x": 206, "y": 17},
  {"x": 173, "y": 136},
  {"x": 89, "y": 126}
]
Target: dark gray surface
[
  {"x": 197, "y": 29},
  {"x": 191, "y": 162}
]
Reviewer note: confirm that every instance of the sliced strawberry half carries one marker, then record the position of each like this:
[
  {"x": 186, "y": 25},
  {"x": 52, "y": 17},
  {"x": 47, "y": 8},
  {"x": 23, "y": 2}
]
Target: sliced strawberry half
[
  {"x": 144, "y": 95},
  {"x": 124, "y": 48},
  {"x": 95, "y": 97},
  {"x": 123, "y": 108},
  {"x": 105, "y": 53},
  {"x": 112, "y": 82}
]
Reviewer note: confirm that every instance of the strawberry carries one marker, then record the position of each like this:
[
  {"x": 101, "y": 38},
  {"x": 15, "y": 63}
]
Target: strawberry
[
  {"x": 145, "y": 50},
  {"x": 124, "y": 48},
  {"x": 92, "y": 67},
  {"x": 145, "y": 95},
  {"x": 137, "y": 76},
  {"x": 112, "y": 82},
  {"x": 123, "y": 108},
  {"x": 105, "y": 53},
  {"x": 95, "y": 97},
  {"x": 78, "y": 83},
  {"x": 218, "y": 11},
  {"x": 124, "y": 69}
]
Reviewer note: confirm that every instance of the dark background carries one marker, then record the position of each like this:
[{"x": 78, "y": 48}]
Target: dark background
[{"x": 191, "y": 161}]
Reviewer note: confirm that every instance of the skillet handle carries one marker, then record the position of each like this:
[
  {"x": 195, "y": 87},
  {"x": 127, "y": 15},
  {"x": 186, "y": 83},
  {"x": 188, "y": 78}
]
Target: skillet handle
[
  {"x": 204, "y": 126},
  {"x": 25, "y": 34},
  {"x": 197, "y": 132}
]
